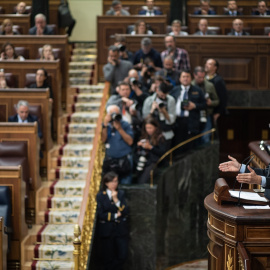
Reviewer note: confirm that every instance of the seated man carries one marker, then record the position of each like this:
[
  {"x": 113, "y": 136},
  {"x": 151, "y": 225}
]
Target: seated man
[
  {"x": 203, "y": 28},
  {"x": 147, "y": 51},
  {"x": 115, "y": 70},
  {"x": 20, "y": 8},
  {"x": 40, "y": 27},
  {"x": 262, "y": 9},
  {"x": 237, "y": 30},
  {"x": 180, "y": 56},
  {"x": 23, "y": 115},
  {"x": 205, "y": 8},
  {"x": 150, "y": 10},
  {"x": 117, "y": 9},
  {"x": 118, "y": 138},
  {"x": 232, "y": 9},
  {"x": 176, "y": 29}
]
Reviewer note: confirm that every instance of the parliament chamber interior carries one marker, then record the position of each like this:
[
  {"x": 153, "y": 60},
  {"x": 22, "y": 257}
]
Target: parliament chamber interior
[{"x": 167, "y": 99}]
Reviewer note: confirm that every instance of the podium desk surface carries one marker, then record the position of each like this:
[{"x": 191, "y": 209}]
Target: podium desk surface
[{"x": 230, "y": 211}]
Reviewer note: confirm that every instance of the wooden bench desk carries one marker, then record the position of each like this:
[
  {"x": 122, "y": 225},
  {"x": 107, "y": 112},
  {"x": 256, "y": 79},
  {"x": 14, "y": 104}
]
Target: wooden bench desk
[
  {"x": 256, "y": 23},
  {"x": 21, "y": 68}
]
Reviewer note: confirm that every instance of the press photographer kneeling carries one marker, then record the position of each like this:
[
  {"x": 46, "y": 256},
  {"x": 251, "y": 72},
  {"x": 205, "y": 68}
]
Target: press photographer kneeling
[{"x": 118, "y": 138}]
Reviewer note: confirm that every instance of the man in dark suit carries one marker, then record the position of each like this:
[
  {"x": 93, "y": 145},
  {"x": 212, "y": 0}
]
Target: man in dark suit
[
  {"x": 237, "y": 30},
  {"x": 149, "y": 9},
  {"x": 23, "y": 115},
  {"x": 203, "y": 28},
  {"x": 232, "y": 9},
  {"x": 205, "y": 8},
  {"x": 189, "y": 102},
  {"x": 262, "y": 9},
  {"x": 40, "y": 27}
]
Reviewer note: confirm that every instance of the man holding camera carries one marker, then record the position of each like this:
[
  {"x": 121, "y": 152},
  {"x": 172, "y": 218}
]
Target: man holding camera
[
  {"x": 124, "y": 53},
  {"x": 118, "y": 138},
  {"x": 211, "y": 98},
  {"x": 189, "y": 102},
  {"x": 161, "y": 106},
  {"x": 115, "y": 70}
]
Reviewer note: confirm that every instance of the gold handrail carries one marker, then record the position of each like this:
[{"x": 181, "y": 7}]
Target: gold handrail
[
  {"x": 169, "y": 152},
  {"x": 88, "y": 207}
]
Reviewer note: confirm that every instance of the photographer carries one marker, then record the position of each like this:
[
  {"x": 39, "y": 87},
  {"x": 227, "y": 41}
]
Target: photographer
[
  {"x": 161, "y": 106},
  {"x": 189, "y": 102},
  {"x": 147, "y": 73},
  {"x": 118, "y": 138},
  {"x": 115, "y": 70},
  {"x": 124, "y": 54},
  {"x": 150, "y": 148},
  {"x": 168, "y": 72}
]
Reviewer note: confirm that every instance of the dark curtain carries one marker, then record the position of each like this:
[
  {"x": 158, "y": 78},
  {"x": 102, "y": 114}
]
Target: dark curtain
[
  {"x": 178, "y": 11},
  {"x": 39, "y": 6}
]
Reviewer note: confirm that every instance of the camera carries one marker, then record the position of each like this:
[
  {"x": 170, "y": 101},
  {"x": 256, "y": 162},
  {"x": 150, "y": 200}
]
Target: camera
[
  {"x": 121, "y": 48},
  {"x": 133, "y": 81},
  {"x": 161, "y": 105},
  {"x": 142, "y": 159},
  {"x": 116, "y": 117},
  {"x": 184, "y": 103},
  {"x": 150, "y": 69}
]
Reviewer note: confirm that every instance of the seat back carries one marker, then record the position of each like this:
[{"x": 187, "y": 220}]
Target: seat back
[
  {"x": 2, "y": 10},
  {"x": 54, "y": 27},
  {"x": 22, "y": 51},
  {"x": 215, "y": 30},
  {"x": 5, "y": 206},
  {"x": 12, "y": 80},
  {"x": 14, "y": 153}
]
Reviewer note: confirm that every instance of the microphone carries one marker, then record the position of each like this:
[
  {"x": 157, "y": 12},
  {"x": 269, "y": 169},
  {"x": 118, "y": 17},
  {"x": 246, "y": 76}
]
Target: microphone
[{"x": 252, "y": 157}]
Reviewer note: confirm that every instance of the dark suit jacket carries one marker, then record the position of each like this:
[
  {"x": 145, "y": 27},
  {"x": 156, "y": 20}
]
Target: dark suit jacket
[
  {"x": 106, "y": 210},
  {"x": 237, "y": 13},
  {"x": 210, "y": 12},
  {"x": 156, "y": 12},
  {"x": 47, "y": 31},
  {"x": 258, "y": 13},
  {"x": 30, "y": 119},
  {"x": 195, "y": 95},
  {"x": 232, "y": 33},
  {"x": 198, "y": 33}
]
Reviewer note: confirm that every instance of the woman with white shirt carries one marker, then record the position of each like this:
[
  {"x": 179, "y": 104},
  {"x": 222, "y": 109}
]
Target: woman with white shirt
[{"x": 141, "y": 29}]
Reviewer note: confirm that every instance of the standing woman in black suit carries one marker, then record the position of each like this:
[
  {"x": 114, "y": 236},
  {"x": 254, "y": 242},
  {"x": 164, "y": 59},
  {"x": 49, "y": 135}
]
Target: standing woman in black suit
[{"x": 112, "y": 223}]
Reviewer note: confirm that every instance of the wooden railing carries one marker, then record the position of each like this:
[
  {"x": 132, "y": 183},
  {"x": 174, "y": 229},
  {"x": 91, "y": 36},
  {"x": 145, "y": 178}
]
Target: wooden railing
[
  {"x": 83, "y": 240},
  {"x": 170, "y": 152},
  {"x": 244, "y": 260}
]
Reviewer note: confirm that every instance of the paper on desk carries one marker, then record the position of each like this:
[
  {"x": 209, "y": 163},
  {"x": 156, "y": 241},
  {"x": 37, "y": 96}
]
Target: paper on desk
[
  {"x": 251, "y": 196},
  {"x": 256, "y": 206}
]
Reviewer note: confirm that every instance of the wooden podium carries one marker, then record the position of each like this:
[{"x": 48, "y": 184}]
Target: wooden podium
[{"x": 238, "y": 238}]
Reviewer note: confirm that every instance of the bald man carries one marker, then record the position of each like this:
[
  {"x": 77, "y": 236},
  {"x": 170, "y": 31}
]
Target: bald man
[{"x": 238, "y": 26}]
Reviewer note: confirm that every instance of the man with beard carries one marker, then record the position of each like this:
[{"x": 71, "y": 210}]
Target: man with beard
[
  {"x": 180, "y": 56},
  {"x": 115, "y": 70}
]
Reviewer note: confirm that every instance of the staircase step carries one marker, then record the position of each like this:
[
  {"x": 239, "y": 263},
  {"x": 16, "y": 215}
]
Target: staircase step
[
  {"x": 87, "y": 107},
  {"x": 82, "y": 65},
  {"x": 84, "y": 117},
  {"x": 88, "y": 97},
  {"x": 67, "y": 188},
  {"x": 56, "y": 234},
  {"x": 82, "y": 128},
  {"x": 74, "y": 162},
  {"x": 56, "y": 216},
  {"x": 71, "y": 174},
  {"x": 89, "y": 88},
  {"x": 76, "y": 150},
  {"x": 80, "y": 73},
  {"x": 79, "y": 138},
  {"x": 54, "y": 252},
  {"x": 84, "y": 51},
  {"x": 79, "y": 80},
  {"x": 51, "y": 265}
]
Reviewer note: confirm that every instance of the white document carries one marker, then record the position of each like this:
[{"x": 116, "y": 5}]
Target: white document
[
  {"x": 256, "y": 207},
  {"x": 251, "y": 196}
]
